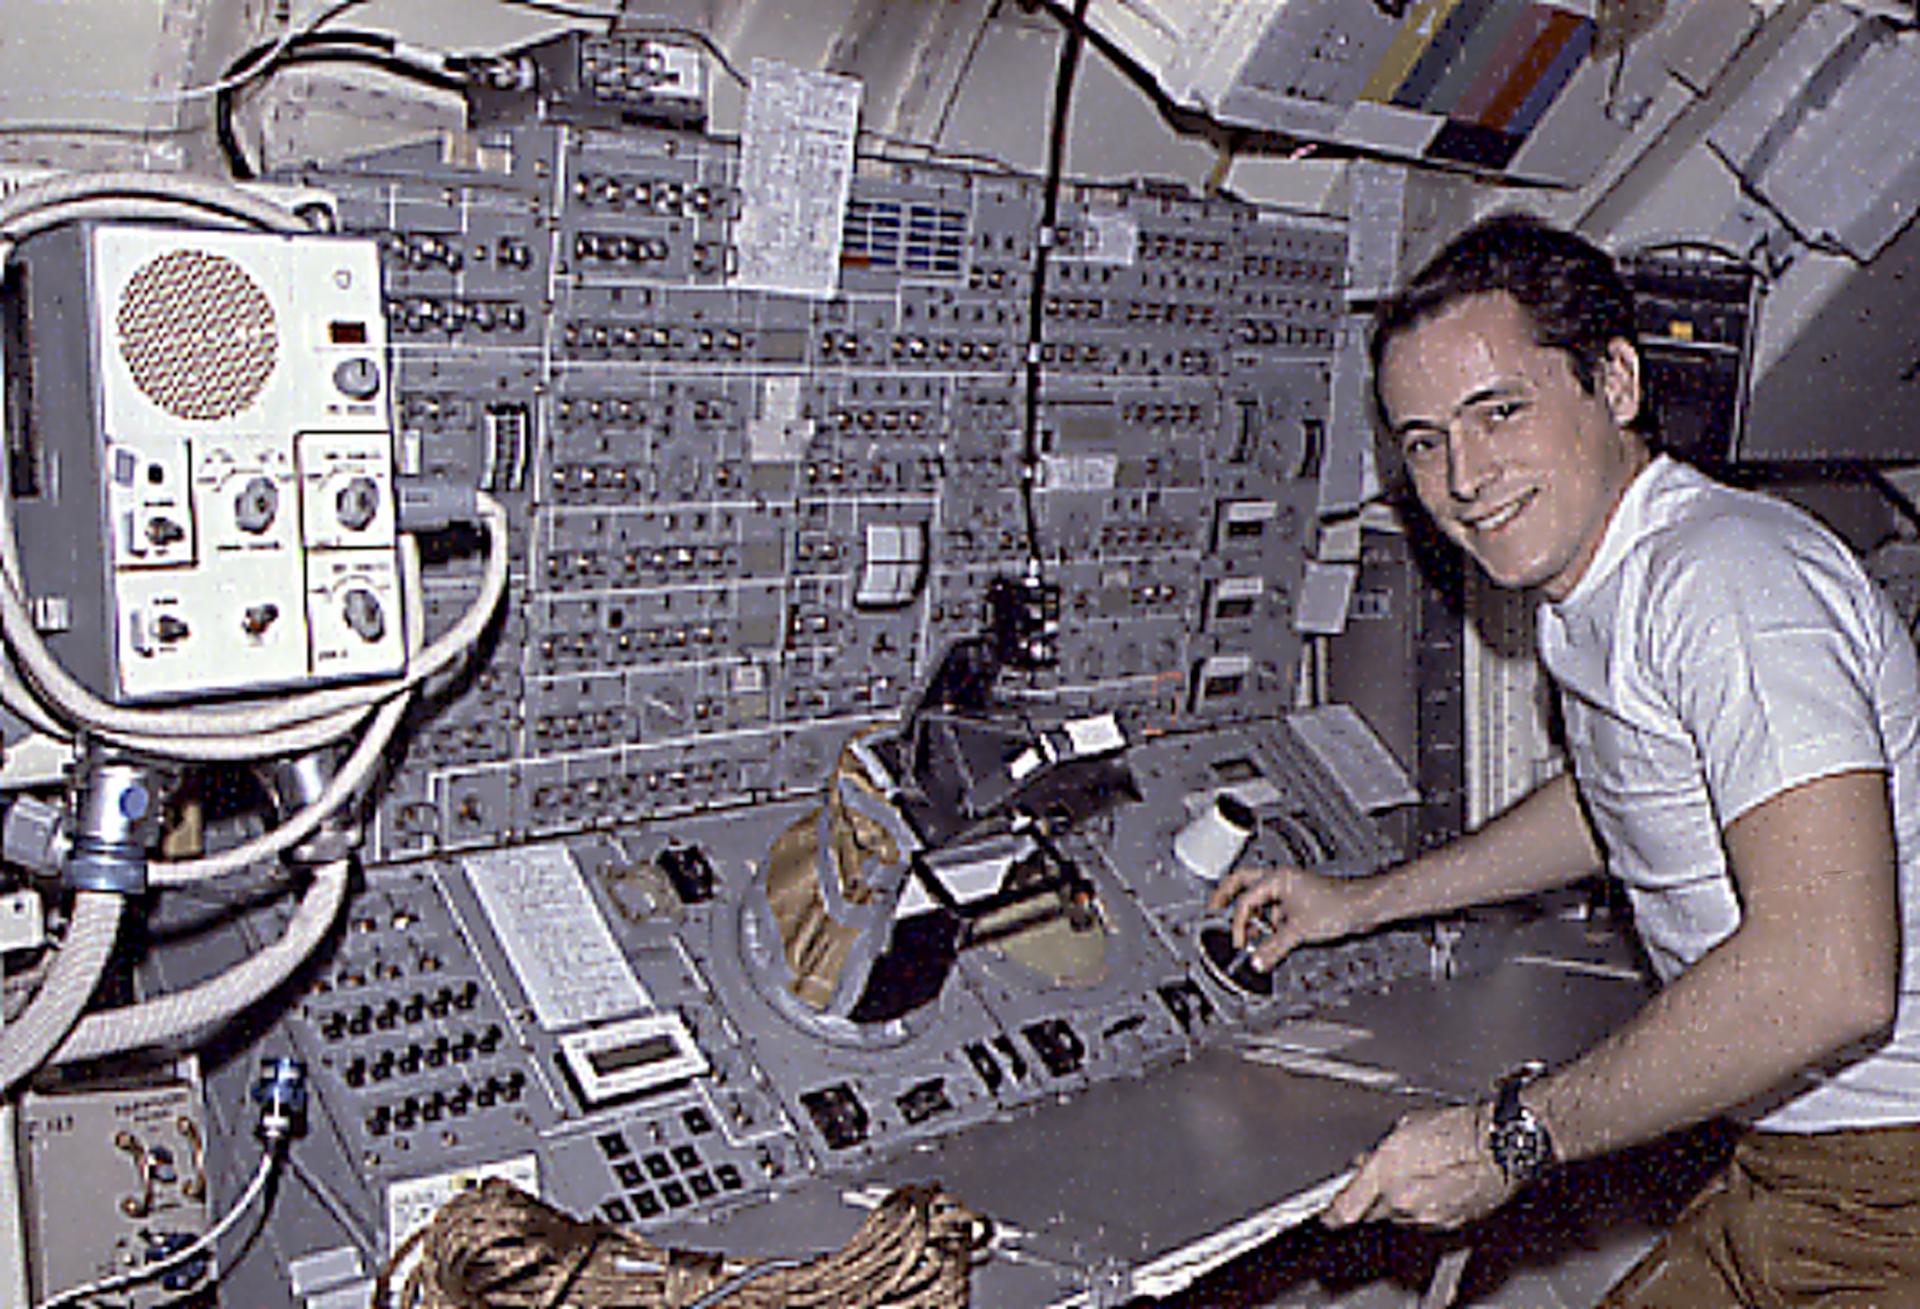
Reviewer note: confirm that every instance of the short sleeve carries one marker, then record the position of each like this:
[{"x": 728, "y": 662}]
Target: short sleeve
[{"x": 1767, "y": 648}]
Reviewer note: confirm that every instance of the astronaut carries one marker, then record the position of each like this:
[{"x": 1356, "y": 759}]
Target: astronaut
[{"x": 1742, "y": 712}]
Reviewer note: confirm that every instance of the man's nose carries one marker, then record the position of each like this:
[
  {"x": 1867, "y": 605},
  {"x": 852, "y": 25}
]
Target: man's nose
[{"x": 1471, "y": 462}]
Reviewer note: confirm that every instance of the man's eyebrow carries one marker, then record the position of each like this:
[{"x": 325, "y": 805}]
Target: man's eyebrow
[{"x": 1501, "y": 390}]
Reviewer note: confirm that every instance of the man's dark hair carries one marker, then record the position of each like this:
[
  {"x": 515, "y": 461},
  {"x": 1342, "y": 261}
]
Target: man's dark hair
[{"x": 1569, "y": 287}]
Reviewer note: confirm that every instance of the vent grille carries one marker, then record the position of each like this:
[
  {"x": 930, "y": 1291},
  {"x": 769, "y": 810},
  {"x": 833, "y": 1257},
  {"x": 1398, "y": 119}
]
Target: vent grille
[
  {"x": 197, "y": 334},
  {"x": 907, "y": 238}
]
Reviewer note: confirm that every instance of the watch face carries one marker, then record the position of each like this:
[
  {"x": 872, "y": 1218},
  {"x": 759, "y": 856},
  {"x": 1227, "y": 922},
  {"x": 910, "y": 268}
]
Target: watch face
[{"x": 1520, "y": 1148}]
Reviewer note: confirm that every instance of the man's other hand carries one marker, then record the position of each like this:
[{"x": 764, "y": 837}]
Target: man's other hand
[{"x": 1432, "y": 1170}]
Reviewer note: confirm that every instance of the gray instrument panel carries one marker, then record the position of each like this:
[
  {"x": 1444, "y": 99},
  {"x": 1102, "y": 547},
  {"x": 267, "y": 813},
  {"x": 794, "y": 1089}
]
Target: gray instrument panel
[
  {"x": 439, "y": 1047},
  {"x": 746, "y": 523},
  {"x": 744, "y": 527}
]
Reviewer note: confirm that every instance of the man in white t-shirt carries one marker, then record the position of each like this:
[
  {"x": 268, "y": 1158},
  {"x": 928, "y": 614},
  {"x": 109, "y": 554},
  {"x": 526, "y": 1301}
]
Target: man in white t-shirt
[{"x": 1743, "y": 722}]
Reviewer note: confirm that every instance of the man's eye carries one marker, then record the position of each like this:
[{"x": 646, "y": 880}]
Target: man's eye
[
  {"x": 1419, "y": 446},
  {"x": 1502, "y": 410}
]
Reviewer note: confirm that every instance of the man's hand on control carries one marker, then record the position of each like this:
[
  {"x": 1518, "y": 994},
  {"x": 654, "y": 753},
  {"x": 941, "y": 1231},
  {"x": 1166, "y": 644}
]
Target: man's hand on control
[
  {"x": 1432, "y": 1170},
  {"x": 1294, "y": 906}
]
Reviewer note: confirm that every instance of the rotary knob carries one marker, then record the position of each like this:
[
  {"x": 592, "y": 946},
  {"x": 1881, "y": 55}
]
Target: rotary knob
[{"x": 357, "y": 378}]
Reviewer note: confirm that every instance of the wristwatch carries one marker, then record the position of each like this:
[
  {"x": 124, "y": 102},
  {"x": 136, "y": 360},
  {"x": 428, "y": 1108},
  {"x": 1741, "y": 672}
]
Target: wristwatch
[{"x": 1516, "y": 1137}]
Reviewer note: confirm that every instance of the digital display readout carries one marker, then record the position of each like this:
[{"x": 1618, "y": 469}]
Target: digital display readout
[{"x": 638, "y": 1054}]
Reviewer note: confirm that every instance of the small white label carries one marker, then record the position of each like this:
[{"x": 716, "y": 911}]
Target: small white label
[
  {"x": 1095, "y": 735},
  {"x": 52, "y": 613},
  {"x": 796, "y": 168},
  {"x": 1252, "y": 511}
]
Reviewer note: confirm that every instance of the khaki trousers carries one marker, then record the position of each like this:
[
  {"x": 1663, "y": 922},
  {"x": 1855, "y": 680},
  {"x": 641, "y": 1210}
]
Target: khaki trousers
[{"x": 1827, "y": 1220}]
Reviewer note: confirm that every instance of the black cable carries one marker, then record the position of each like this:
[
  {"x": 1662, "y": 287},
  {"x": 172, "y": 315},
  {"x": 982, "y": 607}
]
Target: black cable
[
  {"x": 374, "y": 49},
  {"x": 1074, "y": 40},
  {"x": 256, "y": 61},
  {"x": 1184, "y": 120}
]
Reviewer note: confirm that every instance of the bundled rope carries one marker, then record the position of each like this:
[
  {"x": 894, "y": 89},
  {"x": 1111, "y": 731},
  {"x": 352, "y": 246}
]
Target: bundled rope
[{"x": 496, "y": 1247}]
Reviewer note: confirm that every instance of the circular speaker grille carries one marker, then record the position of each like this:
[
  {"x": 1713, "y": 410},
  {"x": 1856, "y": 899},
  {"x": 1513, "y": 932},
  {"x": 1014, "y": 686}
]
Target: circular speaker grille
[{"x": 198, "y": 334}]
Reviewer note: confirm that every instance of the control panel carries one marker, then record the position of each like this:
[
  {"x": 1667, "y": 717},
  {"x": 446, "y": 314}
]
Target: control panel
[
  {"x": 746, "y": 523},
  {"x": 596, "y": 1014},
  {"x": 218, "y": 402},
  {"x": 748, "y": 533}
]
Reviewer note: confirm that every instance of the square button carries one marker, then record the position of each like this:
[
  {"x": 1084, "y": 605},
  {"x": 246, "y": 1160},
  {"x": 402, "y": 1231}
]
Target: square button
[
  {"x": 648, "y": 1204},
  {"x": 698, "y": 1124},
  {"x": 687, "y": 1157},
  {"x": 729, "y": 1177},
  {"x": 616, "y": 1211},
  {"x": 629, "y": 1175},
  {"x": 613, "y": 1145},
  {"x": 676, "y": 1195},
  {"x": 657, "y": 1165},
  {"x": 703, "y": 1187}
]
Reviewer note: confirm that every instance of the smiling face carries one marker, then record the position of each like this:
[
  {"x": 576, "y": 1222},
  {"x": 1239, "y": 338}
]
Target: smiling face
[{"x": 1515, "y": 460}]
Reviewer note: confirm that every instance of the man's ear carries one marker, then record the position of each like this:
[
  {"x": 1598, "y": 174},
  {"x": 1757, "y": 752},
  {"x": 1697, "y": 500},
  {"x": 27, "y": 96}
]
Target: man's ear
[{"x": 1620, "y": 380}]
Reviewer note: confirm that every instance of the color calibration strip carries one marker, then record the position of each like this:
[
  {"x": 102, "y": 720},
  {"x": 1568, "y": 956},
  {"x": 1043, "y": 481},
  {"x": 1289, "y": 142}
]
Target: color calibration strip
[{"x": 1491, "y": 68}]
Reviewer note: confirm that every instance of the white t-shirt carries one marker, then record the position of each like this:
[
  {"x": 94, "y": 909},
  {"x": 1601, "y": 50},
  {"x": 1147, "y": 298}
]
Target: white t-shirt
[{"x": 1723, "y": 647}]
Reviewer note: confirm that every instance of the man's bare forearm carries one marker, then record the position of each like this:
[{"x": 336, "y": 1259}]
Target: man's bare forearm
[
  {"x": 1702, "y": 1046},
  {"x": 1813, "y": 968},
  {"x": 1541, "y": 843}
]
